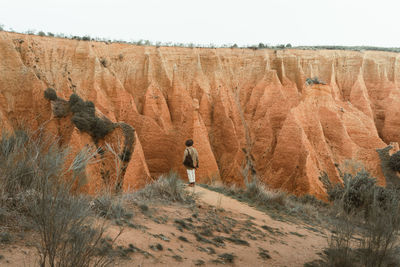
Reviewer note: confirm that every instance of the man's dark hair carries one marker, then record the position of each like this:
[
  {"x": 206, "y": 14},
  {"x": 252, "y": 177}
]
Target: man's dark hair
[{"x": 189, "y": 142}]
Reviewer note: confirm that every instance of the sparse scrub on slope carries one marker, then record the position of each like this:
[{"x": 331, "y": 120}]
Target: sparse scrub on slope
[
  {"x": 110, "y": 207},
  {"x": 37, "y": 183},
  {"x": 366, "y": 211},
  {"x": 274, "y": 201}
]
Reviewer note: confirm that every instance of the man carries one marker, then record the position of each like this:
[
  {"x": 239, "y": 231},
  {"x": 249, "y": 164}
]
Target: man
[{"x": 191, "y": 161}]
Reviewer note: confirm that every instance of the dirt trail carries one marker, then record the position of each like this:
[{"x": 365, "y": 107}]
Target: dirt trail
[{"x": 297, "y": 244}]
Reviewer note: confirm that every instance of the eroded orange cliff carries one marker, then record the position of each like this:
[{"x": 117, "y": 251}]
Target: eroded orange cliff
[{"x": 248, "y": 111}]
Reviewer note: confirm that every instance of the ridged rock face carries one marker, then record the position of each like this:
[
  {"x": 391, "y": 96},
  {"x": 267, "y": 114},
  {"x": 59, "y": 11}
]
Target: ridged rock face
[{"x": 248, "y": 111}]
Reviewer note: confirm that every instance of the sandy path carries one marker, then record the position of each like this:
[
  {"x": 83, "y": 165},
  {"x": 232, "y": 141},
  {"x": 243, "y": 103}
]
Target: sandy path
[{"x": 289, "y": 249}]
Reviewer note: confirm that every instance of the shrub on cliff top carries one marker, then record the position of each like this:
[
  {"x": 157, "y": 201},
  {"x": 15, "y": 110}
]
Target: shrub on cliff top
[
  {"x": 315, "y": 80},
  {"x": 50, "y": 94},
  {"x": 394, "y": 161}
]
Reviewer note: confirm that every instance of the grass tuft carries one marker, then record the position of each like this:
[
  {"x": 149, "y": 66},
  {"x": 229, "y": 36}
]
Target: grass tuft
[{"x": 167, "y": 188}]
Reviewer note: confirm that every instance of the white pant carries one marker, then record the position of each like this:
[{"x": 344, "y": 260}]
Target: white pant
[{"x": 191, "y": 175}]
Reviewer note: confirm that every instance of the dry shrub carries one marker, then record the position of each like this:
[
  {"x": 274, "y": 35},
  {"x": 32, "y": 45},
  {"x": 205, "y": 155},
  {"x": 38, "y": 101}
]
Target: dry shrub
[
  {"x": 50, "y": 94},
  {"x": 36, "y": 183},
  {"x": 367, "y": 213},
  {"x": 60, "y": 108},
  {"x": 168, "y": 187},
  {"x": 381, "y": 227},
  {"x": 259, "y": 194},
  {"x": 85, "y": 119},
  {"x": 69, "y": 235},
  {"x": 110, "y": 207},
  {"x": 394, "y": 161}
]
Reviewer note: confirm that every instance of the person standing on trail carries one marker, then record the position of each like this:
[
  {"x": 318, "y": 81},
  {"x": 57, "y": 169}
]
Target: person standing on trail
[{"x": 191, "y": 161}]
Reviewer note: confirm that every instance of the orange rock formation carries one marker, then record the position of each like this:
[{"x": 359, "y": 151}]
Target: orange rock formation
[{"x": 248, "y": 111}]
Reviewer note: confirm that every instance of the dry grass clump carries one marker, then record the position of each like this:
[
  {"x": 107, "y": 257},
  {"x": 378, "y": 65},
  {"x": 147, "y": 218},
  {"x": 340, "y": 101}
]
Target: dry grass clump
[
  {"x": 167, "y": 188},
  {"x": 36, "y": 188},
  {"x": 110, "y": 207},
  {"x": 257, "y": 192},
  {"x": 306, "y": 207}
]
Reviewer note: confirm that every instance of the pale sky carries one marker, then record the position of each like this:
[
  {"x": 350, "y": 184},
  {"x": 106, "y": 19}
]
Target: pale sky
[{"x": 307, "y": 22}]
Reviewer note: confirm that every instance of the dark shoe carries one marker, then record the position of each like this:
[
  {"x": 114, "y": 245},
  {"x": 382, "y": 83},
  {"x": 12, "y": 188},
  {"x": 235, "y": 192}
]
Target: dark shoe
[{"x": 191, "y": 184}]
